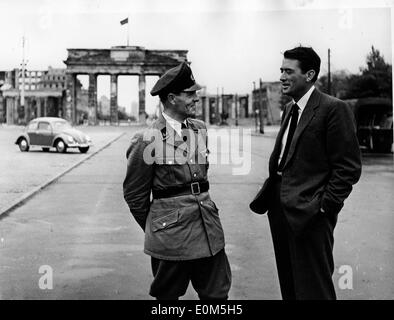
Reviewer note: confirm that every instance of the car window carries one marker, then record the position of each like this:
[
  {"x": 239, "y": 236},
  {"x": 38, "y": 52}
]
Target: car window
[
  {"x": 32, "y": 126},
  {"x": 61, "y": 125},
  {"x": 44, "y": 126}
]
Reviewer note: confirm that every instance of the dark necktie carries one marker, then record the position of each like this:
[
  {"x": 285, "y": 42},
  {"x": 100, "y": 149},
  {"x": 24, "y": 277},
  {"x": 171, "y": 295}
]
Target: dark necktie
[
  {"x": 292, "y": 128},
  {"x": 183, "y": 126}
]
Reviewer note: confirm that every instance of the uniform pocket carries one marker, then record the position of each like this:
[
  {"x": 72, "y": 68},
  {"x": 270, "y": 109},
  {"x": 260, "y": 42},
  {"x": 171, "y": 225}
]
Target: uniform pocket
[{"x": 166, "y": 221}]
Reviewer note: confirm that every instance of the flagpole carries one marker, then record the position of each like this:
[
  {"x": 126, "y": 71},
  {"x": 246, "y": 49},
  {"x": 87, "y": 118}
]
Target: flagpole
[{"x": 126, "y": 21}]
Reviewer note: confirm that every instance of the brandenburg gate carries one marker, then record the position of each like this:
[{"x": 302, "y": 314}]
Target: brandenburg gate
[{"x": 119, "y": 60}]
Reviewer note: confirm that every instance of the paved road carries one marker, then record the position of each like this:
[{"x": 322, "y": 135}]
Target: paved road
[
  {"x": 21, "y": 172},
  {"x": 80, "y": 227}
]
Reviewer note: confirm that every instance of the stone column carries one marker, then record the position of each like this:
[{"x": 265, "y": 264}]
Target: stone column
[
  {"x": 114, "y": 99},
  {"x": 16, "y": 108},
  {"x": 70, "y": 105},
  {"x": 206, "y": 109},
  {"x": 236, "y": 99},
  {"x": 46, "y": 106},
  {"x": 141, "y": 107},
  {"x": 233, "y": 106},
  {"x": 9, "y": 104},
  {"x": 39, "y": 105},
  {"x": 27, "y": 109},
  {"x": 92, "y": 96},
  {"x": 2, "y": 108},
  {"x": 220, "y": 109}
]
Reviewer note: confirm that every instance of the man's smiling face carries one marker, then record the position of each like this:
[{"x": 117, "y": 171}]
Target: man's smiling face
[
  {"x": 294, "y": 81},
  {"x": 186, "y": 103}
]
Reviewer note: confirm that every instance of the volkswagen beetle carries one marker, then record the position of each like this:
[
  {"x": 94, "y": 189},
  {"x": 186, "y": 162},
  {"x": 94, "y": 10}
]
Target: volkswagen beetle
[{"x": 48, "y": 132}]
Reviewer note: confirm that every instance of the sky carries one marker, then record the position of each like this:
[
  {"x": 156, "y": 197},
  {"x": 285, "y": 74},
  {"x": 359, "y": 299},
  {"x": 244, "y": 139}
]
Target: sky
[{"x": 231, "y": 43}]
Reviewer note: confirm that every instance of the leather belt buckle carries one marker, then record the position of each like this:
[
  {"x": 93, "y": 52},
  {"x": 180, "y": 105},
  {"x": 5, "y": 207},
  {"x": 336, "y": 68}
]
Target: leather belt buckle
[{"x": 195, "y": 188}]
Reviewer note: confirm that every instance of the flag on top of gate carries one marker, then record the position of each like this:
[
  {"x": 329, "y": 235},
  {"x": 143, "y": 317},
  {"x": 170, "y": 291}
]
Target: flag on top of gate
[{"x": 124, "y": 21}]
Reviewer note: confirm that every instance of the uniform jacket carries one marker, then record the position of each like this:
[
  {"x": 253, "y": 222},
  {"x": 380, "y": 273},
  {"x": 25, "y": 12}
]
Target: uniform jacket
[
  {"x": 323, "y": 162},
  {"x": 182, "y": 227}
]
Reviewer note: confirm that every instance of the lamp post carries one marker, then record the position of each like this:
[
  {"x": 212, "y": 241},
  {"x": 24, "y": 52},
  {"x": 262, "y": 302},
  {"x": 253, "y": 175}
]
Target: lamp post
[
  {"x": 236, "y": 110},
  {"x": 23, "y": 80},
  {"x": 261, "y": 107}
]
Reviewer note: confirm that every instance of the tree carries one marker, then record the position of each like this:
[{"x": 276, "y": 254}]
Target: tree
[
  {"x": 375, "y": 79},
  {"x": 339, "y": 83}
]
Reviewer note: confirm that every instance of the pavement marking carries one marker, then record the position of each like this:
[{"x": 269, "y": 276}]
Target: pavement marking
[{"x": 18, "y": 202}]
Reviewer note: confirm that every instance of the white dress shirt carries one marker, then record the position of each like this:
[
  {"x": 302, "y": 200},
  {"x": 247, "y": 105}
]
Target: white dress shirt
[
  {"x": 301, "y": 106},
  {"x": 175, "y": 124}
]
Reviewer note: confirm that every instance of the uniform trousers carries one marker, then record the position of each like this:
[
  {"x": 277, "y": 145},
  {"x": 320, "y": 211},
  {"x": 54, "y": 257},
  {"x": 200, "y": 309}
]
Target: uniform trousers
[
  {"x": 305, "y": 263},
  {"x": 210, "y": 277}
]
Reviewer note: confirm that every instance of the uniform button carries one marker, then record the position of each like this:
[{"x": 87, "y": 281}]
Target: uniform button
[
  {"x": 191, "y": 160},
  {"x": 164, "y": 224},
  {"x": 195, "y": 175},
  {"x": 201, "y": 202}
]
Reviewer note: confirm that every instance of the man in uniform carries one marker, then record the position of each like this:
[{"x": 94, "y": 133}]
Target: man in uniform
[{"x": 168, "y": 161}]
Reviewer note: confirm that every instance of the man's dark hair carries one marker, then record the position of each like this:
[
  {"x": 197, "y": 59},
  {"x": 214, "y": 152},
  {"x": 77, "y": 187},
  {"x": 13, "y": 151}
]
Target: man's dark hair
[
  {"x": 163, "y": 97},
  {"x": 308, "y": 58}
]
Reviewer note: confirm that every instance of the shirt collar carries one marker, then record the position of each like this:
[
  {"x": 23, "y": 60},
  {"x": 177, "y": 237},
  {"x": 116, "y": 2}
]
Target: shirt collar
[
  {"x": 304, "y": 99},
  {"x": 175, "y": 124}
]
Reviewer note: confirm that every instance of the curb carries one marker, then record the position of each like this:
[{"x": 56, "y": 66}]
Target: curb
[{"x": 18, "y": 202}]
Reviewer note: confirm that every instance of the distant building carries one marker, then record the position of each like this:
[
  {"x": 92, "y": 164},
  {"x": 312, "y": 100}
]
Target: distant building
[
  {"x": 32, "y": 79},
  {"x": 103, "y": 107},
  {"x": 82, "y": 103},
  {"x": 269, "y": 100},
  {"x": 2, "y": 107},
  {"x": 134, "y": 109},
  {"x": 216, "y": 109},
  {"x": 43, "y": 94},
  {"x": 2, "y": 77},
  {"x": 53, "y": 79}
]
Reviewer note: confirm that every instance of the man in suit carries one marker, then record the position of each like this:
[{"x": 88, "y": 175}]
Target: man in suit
[
  {"x": 183, "y": 232},
  {"x": 314, "y": 163}
]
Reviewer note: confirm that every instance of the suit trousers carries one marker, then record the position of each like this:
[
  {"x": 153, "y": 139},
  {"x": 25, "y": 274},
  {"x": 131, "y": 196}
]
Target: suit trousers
[
  {"x": 305, "y": 263},
  {"x": 210, "y": 277}
]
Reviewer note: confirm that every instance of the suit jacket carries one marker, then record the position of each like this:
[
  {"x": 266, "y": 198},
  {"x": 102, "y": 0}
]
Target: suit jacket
[
  {"x": 323, "y": 162},
  {"x": 178, "y": 228}
]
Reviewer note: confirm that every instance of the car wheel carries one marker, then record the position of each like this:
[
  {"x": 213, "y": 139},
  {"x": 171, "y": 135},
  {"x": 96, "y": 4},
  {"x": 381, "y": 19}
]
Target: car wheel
[
  {"x": 61, "y": 146},
  {"x": 45, "y": 149},
  {"x": 83, "y": 149},
  {"x": 23, "y": 145}
]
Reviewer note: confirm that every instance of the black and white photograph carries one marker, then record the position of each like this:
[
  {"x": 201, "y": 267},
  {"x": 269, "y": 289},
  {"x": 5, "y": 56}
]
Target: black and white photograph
[{"x": 213, "y": 151}]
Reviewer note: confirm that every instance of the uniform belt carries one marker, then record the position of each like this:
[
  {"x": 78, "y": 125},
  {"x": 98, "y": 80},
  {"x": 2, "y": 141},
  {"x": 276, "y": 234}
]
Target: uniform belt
[{"x": 174, "y": 191}]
